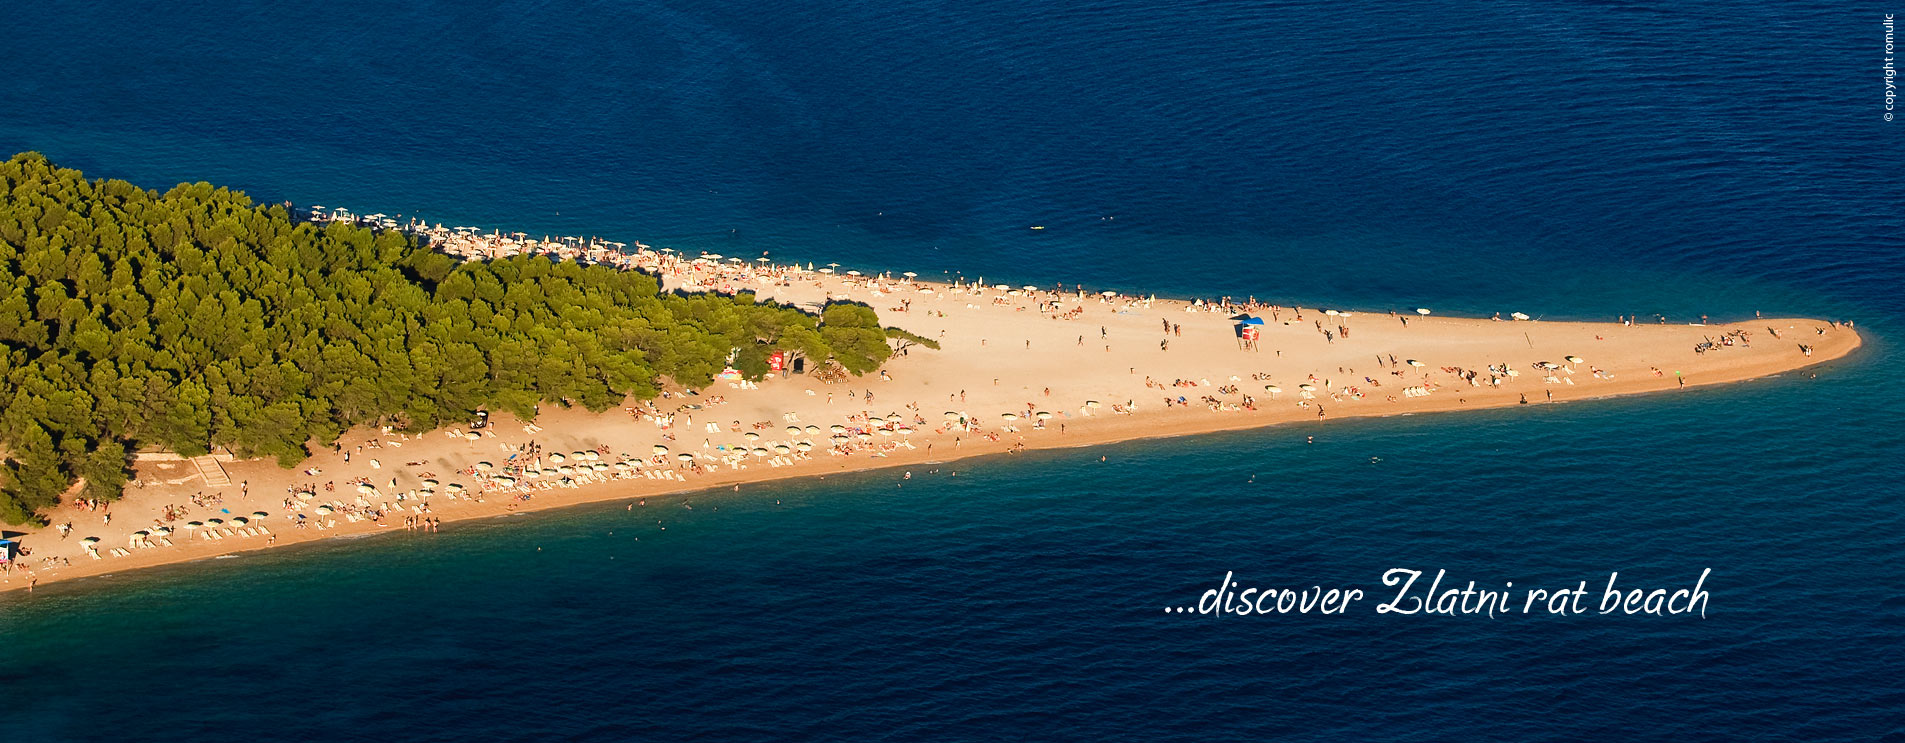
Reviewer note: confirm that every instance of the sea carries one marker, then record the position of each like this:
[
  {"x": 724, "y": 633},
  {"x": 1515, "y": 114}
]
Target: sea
[{"x": 1576, "y": 160}]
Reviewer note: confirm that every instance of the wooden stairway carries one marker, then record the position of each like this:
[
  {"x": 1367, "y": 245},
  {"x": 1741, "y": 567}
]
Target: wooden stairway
[{"x": 213, "y": 472}]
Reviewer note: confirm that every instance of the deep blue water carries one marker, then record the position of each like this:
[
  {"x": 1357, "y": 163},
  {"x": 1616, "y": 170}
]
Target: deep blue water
[{"x": 1584, "y": 160}]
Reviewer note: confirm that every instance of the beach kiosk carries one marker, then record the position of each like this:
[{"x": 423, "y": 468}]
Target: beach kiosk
[{"x": 8, "y": 548}]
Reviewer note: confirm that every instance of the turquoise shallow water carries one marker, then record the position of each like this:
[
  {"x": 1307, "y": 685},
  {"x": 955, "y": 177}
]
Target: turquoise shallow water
[{"x": 1570, "y": 162}]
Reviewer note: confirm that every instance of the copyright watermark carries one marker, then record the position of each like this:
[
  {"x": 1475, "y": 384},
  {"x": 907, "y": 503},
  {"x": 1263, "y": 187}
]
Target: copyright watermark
[{"x": 1891, "y": 75}]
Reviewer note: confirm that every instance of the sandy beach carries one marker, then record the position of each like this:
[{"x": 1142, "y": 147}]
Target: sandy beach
[{"x": 1018, "y": 368}]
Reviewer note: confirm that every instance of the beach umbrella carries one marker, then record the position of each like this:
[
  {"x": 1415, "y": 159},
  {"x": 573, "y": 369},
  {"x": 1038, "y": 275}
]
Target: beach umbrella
[
  {"x": 1422, "y": 310},
  {"x": 1573, "y": 359},
  {"x": 552, "y": 471},
  {"x": 455, "y": 488},
  {"x": 685, "y": 457},
  {"x": 909, "y": 274},
  {"x": 893, "y": 418},
  {"x": 557, "y": 458},
  {"x": 838, "y": 439},
  {"x": 506, "y": 481},
  {"x": 324, "y": 510},
  {"x": 580, "y": 456},
  {"x": 804, "y": 446},
  {"x": 89, "y": 541},
  {"x": 565, "y": 470},
  {"x": 925, "y": 290},
  {"x": 239, "y": 521},
  {"x": 659, "y": 449},
  {"x": 1414, "y": 363},
  {"x": 259, "y": 514},
  {"x": 429, "y": 485},
  {"x": 825, "y": 270},
  {"x": 472, "y": 436},
  {"x": 531, "y": 474},
  {"x": 783, "y": 449},
  {"x": 1091, "y": 403},
  {"x": 886, "y": 432},
  {"x": 953, "y": 416},
  {"x": 188, "y": 525},
  {"x": 1519, "y": 316},
  {"x": 1108, "y": 293},
  {"x": 1043, "y": 415},
  {"x": 484, "y": 466},
  {"x": 760, "y": 451},
  {"x": 811, "y": 430},
  {"x": 853, "y": 273},
  {"x": 751, "y": 436},
  {"x": 1331, "y": 313},
  {"x": 904, "y": 430},
  {"x": 711, "y": 256},
  {"x": 1306, "y": 387},
  {"x": 793, "y": 430},
  {"x": 593, "y": 456},
  {"x": 1272, "y": 389},
  {"x": 1029, "y": 288},
  {"x": 1010, "y": 416},
  {"x": 837, "y": 428}
]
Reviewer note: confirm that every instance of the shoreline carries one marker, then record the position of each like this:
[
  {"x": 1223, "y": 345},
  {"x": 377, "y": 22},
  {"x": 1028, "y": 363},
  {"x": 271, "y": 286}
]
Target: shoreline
[
  {"x": 597, "y": 498},
  {"x": 1204, "y": 350}
]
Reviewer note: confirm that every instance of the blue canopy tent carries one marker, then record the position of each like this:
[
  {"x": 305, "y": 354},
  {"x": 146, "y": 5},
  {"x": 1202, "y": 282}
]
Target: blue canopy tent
[{"x": 1249, "y": 328}]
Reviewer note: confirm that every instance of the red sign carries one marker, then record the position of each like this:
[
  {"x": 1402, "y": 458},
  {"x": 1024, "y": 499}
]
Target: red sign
[
  {"x": 775, "y": 360},
  {"x": 1251, "y": 333}
]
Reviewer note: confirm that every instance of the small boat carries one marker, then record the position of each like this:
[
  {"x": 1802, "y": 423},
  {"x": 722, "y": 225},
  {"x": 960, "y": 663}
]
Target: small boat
[{"x": 1038, "y": 227}]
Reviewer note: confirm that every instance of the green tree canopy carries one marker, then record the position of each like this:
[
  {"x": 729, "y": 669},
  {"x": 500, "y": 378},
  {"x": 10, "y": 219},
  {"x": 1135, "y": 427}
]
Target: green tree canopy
[{"x": 195, "y": 319}]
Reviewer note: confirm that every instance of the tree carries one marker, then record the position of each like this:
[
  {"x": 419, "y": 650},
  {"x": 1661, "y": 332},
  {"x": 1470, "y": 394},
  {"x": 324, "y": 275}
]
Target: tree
[{"x": 196, "y": 319}]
